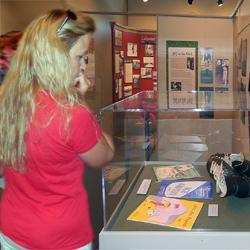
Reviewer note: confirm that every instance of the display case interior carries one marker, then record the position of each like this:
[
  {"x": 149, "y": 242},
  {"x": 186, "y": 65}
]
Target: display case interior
[{"x": 148, "y": 135}]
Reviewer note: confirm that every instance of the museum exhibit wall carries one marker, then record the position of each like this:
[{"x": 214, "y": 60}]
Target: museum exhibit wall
[
  {"x": 215, "y": 33},
  {"x": 208, "y": 32},
  {"x": 242, "y": 72}
]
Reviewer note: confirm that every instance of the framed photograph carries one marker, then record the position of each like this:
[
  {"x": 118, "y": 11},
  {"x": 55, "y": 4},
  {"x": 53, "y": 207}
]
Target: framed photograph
[
  {"x": 149, "y": 50},
  {"x": 128, "y": 74},
  {"x": 127, "y": 91},
  {"x": 132, "y": 49},
  {"x": 155, "y": 86},
  {"x": 176, "y": 86},
  {"x": 155, "y": 75},
  {"x": 118, "y": 38},
  {"x": 222, "y": 72},
  {"x": 136, "y": 81},
  {"x": 146, "y": 72},
  {"x": 136, "y": 64},
  {"x": 148, "y": 62},
  {"x": 116, "y": 86},
  {"x": 117, "y": 62},
  {"x": 244, "y": 58},
  {"x": 190, "y": 63},
  {"x": 206, "y": 65}
]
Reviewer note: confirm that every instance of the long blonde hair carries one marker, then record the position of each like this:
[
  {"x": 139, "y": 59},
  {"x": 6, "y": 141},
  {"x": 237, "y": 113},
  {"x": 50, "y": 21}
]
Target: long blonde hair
[{"x": 41, "y": 61}]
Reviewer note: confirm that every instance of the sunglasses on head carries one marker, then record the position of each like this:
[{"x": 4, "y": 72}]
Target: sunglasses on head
[{"x": 70, "y": 15}]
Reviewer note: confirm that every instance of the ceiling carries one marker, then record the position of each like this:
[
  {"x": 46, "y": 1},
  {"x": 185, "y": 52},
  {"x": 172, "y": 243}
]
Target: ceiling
[{"x": 199, "y": 8}]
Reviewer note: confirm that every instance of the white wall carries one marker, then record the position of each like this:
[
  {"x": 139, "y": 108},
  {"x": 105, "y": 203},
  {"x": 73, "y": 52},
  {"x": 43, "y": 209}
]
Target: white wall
[
  {"x": 16, "y": 14},
  {"x": 209, "y": 32},
  {"x": 143, "y": 22}
]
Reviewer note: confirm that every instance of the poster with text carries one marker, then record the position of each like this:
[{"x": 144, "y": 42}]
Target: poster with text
[
  {"x": 206, "y": 65},
  {"x": 182, "y": 73},
  {"x": 222, "y": 73}
]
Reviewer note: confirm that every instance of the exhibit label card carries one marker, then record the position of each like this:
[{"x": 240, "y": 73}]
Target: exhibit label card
[{"x": 182, "y": 73}]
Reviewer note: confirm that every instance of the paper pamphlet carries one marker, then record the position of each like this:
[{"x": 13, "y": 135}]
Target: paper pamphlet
[
  {"x": 169, "y": 212},
  {"x": 113, "y": 172},
  {"x": 186, "y": 189},
  {"x": 175, "y": 172}
]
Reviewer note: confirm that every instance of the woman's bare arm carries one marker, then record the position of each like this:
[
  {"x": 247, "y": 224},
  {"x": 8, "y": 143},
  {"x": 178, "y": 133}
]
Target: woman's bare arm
[{"x": 102, "y": 153}]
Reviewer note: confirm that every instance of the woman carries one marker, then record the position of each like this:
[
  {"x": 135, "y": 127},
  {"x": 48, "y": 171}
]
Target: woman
[{"x": 48, "y": 134}]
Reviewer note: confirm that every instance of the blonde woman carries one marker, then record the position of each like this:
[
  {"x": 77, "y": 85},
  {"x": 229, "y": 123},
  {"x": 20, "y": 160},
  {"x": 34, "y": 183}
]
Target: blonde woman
[{"x": 48, "y": 135}]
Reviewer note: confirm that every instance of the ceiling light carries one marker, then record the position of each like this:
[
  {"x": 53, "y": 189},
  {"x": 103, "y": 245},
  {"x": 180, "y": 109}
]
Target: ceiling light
[
  {"x": 190, "y": 2},
  {"x": 220, "y": 3},
  {"x": 144, "y": 1}
]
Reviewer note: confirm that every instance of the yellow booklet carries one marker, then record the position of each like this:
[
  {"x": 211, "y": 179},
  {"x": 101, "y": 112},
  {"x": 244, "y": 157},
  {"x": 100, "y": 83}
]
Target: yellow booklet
[{"x": 169, "y": 212}]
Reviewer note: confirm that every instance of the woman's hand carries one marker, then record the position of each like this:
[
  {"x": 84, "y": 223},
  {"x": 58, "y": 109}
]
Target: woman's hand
[{"x": 83, "y": 84}]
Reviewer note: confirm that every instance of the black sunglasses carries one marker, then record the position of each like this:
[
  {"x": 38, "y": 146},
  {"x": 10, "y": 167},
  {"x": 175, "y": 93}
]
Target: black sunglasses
[{"x": 70, "y": 15}]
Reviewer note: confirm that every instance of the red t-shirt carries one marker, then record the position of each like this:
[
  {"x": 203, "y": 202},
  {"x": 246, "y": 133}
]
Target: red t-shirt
[{"x": 47, "y": 206}]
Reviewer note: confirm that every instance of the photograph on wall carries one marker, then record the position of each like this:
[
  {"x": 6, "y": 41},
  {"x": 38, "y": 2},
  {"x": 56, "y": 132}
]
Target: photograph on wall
[
  {"x": 117, "y": 85},
  {"x": 117, "y": 62},
  {"x": 155, "y": 86},
  {"x": 175, "y": 86},
  {"x": 121, "y": 65},
  {"x": 181, "y": 73},
  {"x": 127, "y": 91},
  {"x": 238, "y": 55},
  {"x": 249, "y": 81},
  {"x": 222, "y": 72},
  {"x": 132, "y": 49},
  {"x": 155, "y": 75},
  {"x": 136, "y": 64},
  {"x": 146, "y": 72},
  {"x": 190, "y": 63},
  {"x": 136, "y": 81},
  {"x": 244, "y": 58},
  {"x": 206, "y": 65},
  {"x": 148, "y": 62},
  {"x": 128, "y": 71},
  {"x": 118, "y": 37},
  {"x": 149, "y": 50},
  {"x": 120, "y": 89}
]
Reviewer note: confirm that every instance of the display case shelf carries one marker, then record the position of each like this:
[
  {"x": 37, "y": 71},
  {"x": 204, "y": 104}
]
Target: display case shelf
[{"x": 149, "y": 132}]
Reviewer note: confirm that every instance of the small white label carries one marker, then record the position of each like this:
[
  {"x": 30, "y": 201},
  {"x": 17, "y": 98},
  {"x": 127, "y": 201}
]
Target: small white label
[
  {"x": 143, "y": 189},
  {"x": 117, "y": 187},
  {"x": 213, "y": 210}
]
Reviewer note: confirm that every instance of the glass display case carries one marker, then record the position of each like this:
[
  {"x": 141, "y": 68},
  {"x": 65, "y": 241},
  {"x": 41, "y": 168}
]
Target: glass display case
[{"x": 150, "y": 132}]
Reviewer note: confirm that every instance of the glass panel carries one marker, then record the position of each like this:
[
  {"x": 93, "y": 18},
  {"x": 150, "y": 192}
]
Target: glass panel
[
  {"x": 148, "y": 133},
  {"x": 190, "y": 101}
]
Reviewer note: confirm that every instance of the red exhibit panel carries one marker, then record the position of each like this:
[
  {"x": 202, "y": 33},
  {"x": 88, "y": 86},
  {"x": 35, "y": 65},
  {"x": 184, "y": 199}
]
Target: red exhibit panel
[{"x": 134, "y": 61}]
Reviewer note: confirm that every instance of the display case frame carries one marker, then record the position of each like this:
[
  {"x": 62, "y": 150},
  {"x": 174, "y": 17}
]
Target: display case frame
[{"x": 228, "y": 230}]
